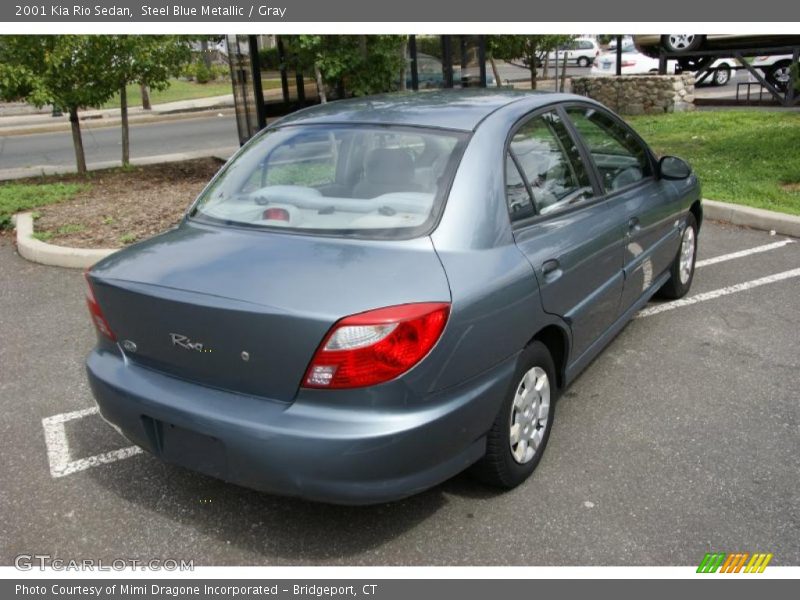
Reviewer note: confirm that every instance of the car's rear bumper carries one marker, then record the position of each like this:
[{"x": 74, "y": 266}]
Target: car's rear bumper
[{"x": 345, "y": 454}]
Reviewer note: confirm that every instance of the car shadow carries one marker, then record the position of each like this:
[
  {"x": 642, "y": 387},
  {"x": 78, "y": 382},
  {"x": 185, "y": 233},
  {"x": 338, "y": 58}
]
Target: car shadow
[{"x": 270, "y": 529}]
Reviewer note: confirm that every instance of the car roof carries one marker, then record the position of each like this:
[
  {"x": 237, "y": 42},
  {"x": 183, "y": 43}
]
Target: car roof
[{"x": 449, "y": 109}]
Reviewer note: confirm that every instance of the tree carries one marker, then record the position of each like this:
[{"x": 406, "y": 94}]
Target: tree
[
  {"x": 147, "y": 60},
  {"x": 361, "y": 64},
  {"x": 68, "y": 71},
  {"x": 530, "y": 49}
]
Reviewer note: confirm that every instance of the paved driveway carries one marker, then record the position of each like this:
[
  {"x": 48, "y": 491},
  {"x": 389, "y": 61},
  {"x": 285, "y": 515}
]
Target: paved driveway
[{"x": 682, "y": 437}]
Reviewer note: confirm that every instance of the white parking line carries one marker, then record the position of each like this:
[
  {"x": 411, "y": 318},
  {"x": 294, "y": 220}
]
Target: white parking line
[
  {"x": 55, "y": 437},
  {"x": 731, "y": 289},
  {"x": 741, "y": 253}
]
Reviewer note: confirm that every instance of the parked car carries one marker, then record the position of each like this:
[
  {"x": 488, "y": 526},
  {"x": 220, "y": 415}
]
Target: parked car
[
  {"x": 681, "y": 42},
  {"x": 357, "y": 307},
  {"x": 627, "y": 40},
  {"x": 430, "y": 74},
  {"x": 581, "y": 52},
  {"x": 777, "y": 75},
  {"x": 633, "y": 63},
  {"x": 636, "y": 63}
]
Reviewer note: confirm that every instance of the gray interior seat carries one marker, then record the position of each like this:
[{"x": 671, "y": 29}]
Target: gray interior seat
[{"x": 387, "y": 170}]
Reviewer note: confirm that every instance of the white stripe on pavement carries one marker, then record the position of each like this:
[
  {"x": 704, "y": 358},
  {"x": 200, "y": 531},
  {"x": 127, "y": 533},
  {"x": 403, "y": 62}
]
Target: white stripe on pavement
[
  {"x": 58, "y": 454},
  {"x": 741, "y": 253},
  {"x": 732, "y": 289}
]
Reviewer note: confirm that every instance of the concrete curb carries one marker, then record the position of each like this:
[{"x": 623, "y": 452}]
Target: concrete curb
[
  {"x": 83, "y": 258},
  {"x": 50, "y": 254},
  {"x": 757, "y": 218}
]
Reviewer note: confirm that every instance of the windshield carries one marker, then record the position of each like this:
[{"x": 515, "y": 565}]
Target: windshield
[{"x": 372, "y": 181}]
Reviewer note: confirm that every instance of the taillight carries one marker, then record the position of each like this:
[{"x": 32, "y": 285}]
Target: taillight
[
  {"x": 376, "y": 346},
  {"x": 628, "y": 63},
  {"x": 276, "y": 214},
  {"x": 98, "y": 318}
]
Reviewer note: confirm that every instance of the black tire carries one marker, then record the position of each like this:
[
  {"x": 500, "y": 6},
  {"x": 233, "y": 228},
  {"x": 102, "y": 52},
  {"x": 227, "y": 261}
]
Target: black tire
[
  {"x": 682, "y": 43},
  {"x": 779, "y": 75},
  {"x": 722, "y": 75},
  {"x": 498, "y": 467},
  {"x": 584, "y": 61},
  {"x": 676, "y": 288}
]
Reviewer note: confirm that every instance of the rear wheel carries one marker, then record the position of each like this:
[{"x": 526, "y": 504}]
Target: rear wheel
[
  {"x": 519, "y": 435},
  {"x": 779, "y": 75},
  {"x": 583, "y": 61},
  {"x": 682, "y": 270}
]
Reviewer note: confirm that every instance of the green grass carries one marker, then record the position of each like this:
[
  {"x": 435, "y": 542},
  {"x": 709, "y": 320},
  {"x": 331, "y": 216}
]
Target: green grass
[
  {"x": 16, "y": 197},
  {"x": 746, "y": 157},
  {"x": 180, "y": 89}
]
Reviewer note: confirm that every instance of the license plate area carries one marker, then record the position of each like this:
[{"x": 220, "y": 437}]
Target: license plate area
[{"x": 178, "y": 445}]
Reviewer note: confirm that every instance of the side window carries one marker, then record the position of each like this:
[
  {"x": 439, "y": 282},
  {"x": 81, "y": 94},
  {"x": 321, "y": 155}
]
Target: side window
[
  {"x": 549, "y": 163},
  {"x": 621, "y": 159},
  {"x": 520, "y": 203}
]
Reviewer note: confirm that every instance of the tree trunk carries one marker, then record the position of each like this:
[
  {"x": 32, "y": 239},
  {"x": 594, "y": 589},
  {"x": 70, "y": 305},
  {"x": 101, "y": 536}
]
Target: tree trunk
[
  {"x": 495, "y": 72},
  {"x": 77, "y": 142},
  {"x": 563, "y": 70},
  {"x": 546, "y": 65},
  {"x": 404, "y": 69},
  {"x": 532, "y": 67},
  {"x": 320, "y": 84},
  {"x": 205, "y": 53},
  {"x": 123, "y": 112},
  {"x": 145, "y": 92}
]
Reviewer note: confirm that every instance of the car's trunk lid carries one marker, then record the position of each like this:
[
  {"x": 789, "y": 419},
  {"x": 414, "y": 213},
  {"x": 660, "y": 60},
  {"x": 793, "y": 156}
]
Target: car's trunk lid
[{"x": 245, "y": 310}]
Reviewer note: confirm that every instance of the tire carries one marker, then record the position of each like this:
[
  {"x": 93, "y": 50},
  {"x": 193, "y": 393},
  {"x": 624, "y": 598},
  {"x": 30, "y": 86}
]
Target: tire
[
  {"x": 678, "y": 42},
  {"x": 779, "y": 75},
  {"x": 499, "y": 467},
  {"x": 583, "y": 62},
  {"x": 680, "y": 280},
  {"x": 722, "y": 75}
]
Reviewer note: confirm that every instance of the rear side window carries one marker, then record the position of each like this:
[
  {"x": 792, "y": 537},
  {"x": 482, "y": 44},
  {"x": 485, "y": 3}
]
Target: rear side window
[
  {"x": 620, "y": 157},
  {"x": 548, "y": 167},
  {"x": 369, "y": 181}
]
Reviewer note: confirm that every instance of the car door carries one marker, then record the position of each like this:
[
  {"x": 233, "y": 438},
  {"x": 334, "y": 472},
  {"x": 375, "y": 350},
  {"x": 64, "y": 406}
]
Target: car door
[
  {"x": 571, "y": 237},
  {"x": 626, "y": 171}
]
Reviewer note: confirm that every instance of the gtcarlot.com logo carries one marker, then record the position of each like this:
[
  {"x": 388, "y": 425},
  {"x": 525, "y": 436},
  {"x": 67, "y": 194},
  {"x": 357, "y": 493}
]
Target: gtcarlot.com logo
[{"x": 734, "y": 562}]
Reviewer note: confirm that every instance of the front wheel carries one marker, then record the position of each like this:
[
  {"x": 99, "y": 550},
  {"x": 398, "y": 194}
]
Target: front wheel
[
  {"x": 722, "y": 75},
  {"x": 682, "y": 270},
  {"x": 519, "y": 434},
  {"x": 583, "y": 62}
]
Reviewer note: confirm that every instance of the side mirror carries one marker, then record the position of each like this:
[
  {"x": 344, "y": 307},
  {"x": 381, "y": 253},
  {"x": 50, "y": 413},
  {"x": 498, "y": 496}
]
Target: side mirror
[{"x": 672, "y": 167}]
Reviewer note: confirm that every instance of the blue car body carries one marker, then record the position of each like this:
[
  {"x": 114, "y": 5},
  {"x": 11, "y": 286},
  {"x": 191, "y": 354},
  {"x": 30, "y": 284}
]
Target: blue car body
[{"x": 251, "y": 305}]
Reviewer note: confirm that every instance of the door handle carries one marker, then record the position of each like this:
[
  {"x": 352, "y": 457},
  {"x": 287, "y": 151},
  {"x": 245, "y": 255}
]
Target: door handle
[
  {"x": 551, "y": 270},
  {"x": 633, "y": 224}
]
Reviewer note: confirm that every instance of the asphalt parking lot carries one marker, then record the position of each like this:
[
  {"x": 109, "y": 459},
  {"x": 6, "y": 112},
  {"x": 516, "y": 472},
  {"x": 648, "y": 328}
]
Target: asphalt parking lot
[{"x": 683, "y": 437}]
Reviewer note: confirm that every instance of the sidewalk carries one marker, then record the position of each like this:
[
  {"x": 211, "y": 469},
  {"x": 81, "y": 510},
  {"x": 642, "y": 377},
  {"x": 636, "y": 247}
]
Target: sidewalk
[{"x": 45, "y": 122}]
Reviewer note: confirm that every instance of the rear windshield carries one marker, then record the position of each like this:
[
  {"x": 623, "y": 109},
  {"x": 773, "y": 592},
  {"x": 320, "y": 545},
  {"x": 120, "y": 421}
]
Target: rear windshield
[{"x": 365, "y": 181}]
